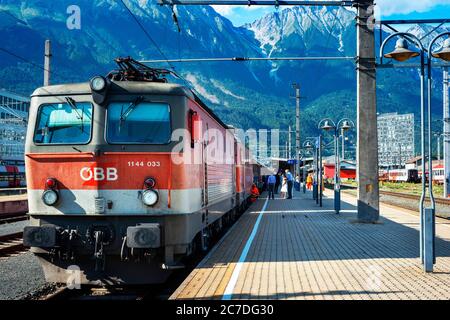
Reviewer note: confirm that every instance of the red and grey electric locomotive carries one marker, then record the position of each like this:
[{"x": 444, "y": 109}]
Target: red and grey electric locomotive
[{"x": 123, "y": 181}]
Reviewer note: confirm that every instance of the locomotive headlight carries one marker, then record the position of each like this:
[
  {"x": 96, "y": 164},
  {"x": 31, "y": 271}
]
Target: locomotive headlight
[
  {"x": 50, "y": 197},
  {"x": 98, "y": 83},
  {"x": 149, "y": 197}
]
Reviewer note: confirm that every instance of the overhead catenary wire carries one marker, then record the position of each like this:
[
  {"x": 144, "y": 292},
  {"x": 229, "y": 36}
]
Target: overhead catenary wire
[
  {"x": 28, "y": 61},
  {"x": 25, "y": 60},
  {"x": 145, "y": 31},
  {"x": 36, "y": 66},
  {"x": 176, "y": 20},
  {"x": 12, "y": 112},
  {"x": 224, "y": 59},
  {"x": 13, "y": 16},
  {"x": 150, "y": 38},
  {"x": 317, "y": 75}
]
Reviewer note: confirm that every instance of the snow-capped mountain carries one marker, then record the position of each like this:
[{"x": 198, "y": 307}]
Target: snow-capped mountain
[
  {"x": 305, "y": 29},
  {"x": 246, "y": 94},
  {"x": 427, "y": 33}
]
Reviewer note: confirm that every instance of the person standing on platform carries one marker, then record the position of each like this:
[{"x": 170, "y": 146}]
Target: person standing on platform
[
  {"x": 297, "y": 183},
  {"x": 309, "y": 181},
  {"x": 290, "y": 183},
  {"x": 284, "y": 188},
  {"x": 278, "y": 178},
  {"x": 271, "y": 180}
]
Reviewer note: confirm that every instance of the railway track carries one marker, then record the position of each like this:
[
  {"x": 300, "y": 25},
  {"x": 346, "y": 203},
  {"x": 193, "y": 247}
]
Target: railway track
[
  {"x": 13, "y": 209},
  {"x": 16, "y": 217},
  {"x": 139, "y": 292},
  {"x": 153, "y": 292},
  {"x": 442, "y": 201},
  {"x": 11, "y": 244},
  {"x": 143, "y": 292},
  {"x": 408, "y": 201}
]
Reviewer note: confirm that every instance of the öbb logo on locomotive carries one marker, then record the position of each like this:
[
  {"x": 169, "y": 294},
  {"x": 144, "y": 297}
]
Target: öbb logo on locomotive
[
  {"x": 137, "y": 214},
  {"x": 98, "y": 174}
]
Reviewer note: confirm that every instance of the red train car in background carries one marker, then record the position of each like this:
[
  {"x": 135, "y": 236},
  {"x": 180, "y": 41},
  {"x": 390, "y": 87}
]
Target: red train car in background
[
  {"x": 348, "y": 170},
  {"x": 12, "y": 175}
]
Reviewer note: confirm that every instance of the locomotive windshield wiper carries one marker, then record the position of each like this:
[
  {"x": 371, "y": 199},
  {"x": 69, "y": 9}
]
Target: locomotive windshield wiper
[
  {"x": 73, "y": 105},
  {"x": 124, "y": 114}
]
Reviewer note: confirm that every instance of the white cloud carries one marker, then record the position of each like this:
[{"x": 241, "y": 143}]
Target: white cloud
[
  {"x": 388, "y": 7},
  {"x": 384, "y": 7},
  {"x": 250, "y": 8},
  {"x": 227, "y": 10},
  {"x": 224, "y": 10}
]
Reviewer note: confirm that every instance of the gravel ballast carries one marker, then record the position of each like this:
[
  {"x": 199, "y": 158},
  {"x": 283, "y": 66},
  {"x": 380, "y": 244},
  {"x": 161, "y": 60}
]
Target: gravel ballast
[{"x": 20, "y": 276}]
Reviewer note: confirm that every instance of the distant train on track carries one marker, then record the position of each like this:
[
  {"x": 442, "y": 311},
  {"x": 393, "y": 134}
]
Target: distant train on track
[
  {"x": 127, "y": 175},
  {"x": 12, "y": 175},
  {"x": 411, "y": 175}
]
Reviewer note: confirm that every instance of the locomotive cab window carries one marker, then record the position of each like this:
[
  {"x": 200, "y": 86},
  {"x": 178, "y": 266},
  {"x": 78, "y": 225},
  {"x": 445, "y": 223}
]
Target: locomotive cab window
[
  {"x": 64, "y": 123},
  {"x": 138, "y": 122}
]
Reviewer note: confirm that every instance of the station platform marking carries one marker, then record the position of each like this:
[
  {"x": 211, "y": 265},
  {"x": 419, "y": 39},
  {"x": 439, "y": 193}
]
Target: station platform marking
[
  {"x": 234, "y": 277},
  {"x": 301, "y": 251},
  {"x": 18, "y": 197}
]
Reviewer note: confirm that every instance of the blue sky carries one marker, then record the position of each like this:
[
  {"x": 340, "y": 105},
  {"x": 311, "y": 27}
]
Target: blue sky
[{"x": 386, "y": 9}]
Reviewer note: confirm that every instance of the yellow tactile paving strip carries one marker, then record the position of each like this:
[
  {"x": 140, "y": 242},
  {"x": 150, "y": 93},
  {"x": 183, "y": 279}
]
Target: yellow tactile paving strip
[{"x": 303, "y": 252}]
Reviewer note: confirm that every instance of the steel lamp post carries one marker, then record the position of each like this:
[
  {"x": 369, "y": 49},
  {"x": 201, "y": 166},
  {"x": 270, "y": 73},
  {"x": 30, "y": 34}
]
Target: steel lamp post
[
  {"x": 343, "y": 125},
  {"x": 301, "y": 156},
  {"x": 403, "y": 53},
  {"x": 310, "y": 145},
  {"x": 443, "y": 54},
  {"x": 315, "y": 144}
]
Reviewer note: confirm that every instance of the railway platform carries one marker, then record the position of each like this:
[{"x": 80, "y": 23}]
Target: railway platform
[
  {"x": 293, "y": 249},
  {"x": 11, "y": 205}
]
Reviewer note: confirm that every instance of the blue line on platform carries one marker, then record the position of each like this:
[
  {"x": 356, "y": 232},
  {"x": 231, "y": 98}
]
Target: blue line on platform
[{"x": 234, "y": 277}]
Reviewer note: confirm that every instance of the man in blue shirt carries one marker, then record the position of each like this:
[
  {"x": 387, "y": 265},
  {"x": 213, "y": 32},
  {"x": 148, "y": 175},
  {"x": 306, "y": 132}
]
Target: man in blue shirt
[
  {"x": 290, "y": 183},
  {"x": 271, "y": 185}
]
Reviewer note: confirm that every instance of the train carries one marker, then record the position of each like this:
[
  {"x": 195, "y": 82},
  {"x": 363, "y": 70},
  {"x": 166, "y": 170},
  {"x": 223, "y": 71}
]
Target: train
[
  {"x": 403, "y": 175},
  {"x": 438, "y": 174},
  {"x": 411, "y": 175},
  {"x": 12, "y": 175},
  {"x": 128, "y": 175}
]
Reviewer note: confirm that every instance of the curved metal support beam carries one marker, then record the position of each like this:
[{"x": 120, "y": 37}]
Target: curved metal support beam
[
  {"x": 239, "y": 59},
  {"x": 347, "y": 3}
]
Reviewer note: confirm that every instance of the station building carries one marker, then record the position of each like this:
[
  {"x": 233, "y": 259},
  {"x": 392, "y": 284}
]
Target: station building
[
  {"x": 395, "y": 139},
  {"x": 14, "y": 110}
]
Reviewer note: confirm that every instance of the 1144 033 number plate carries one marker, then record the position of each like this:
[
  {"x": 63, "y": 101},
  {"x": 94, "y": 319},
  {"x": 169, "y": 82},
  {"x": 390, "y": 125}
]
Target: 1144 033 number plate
[{"x": 144, "y": 163}]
